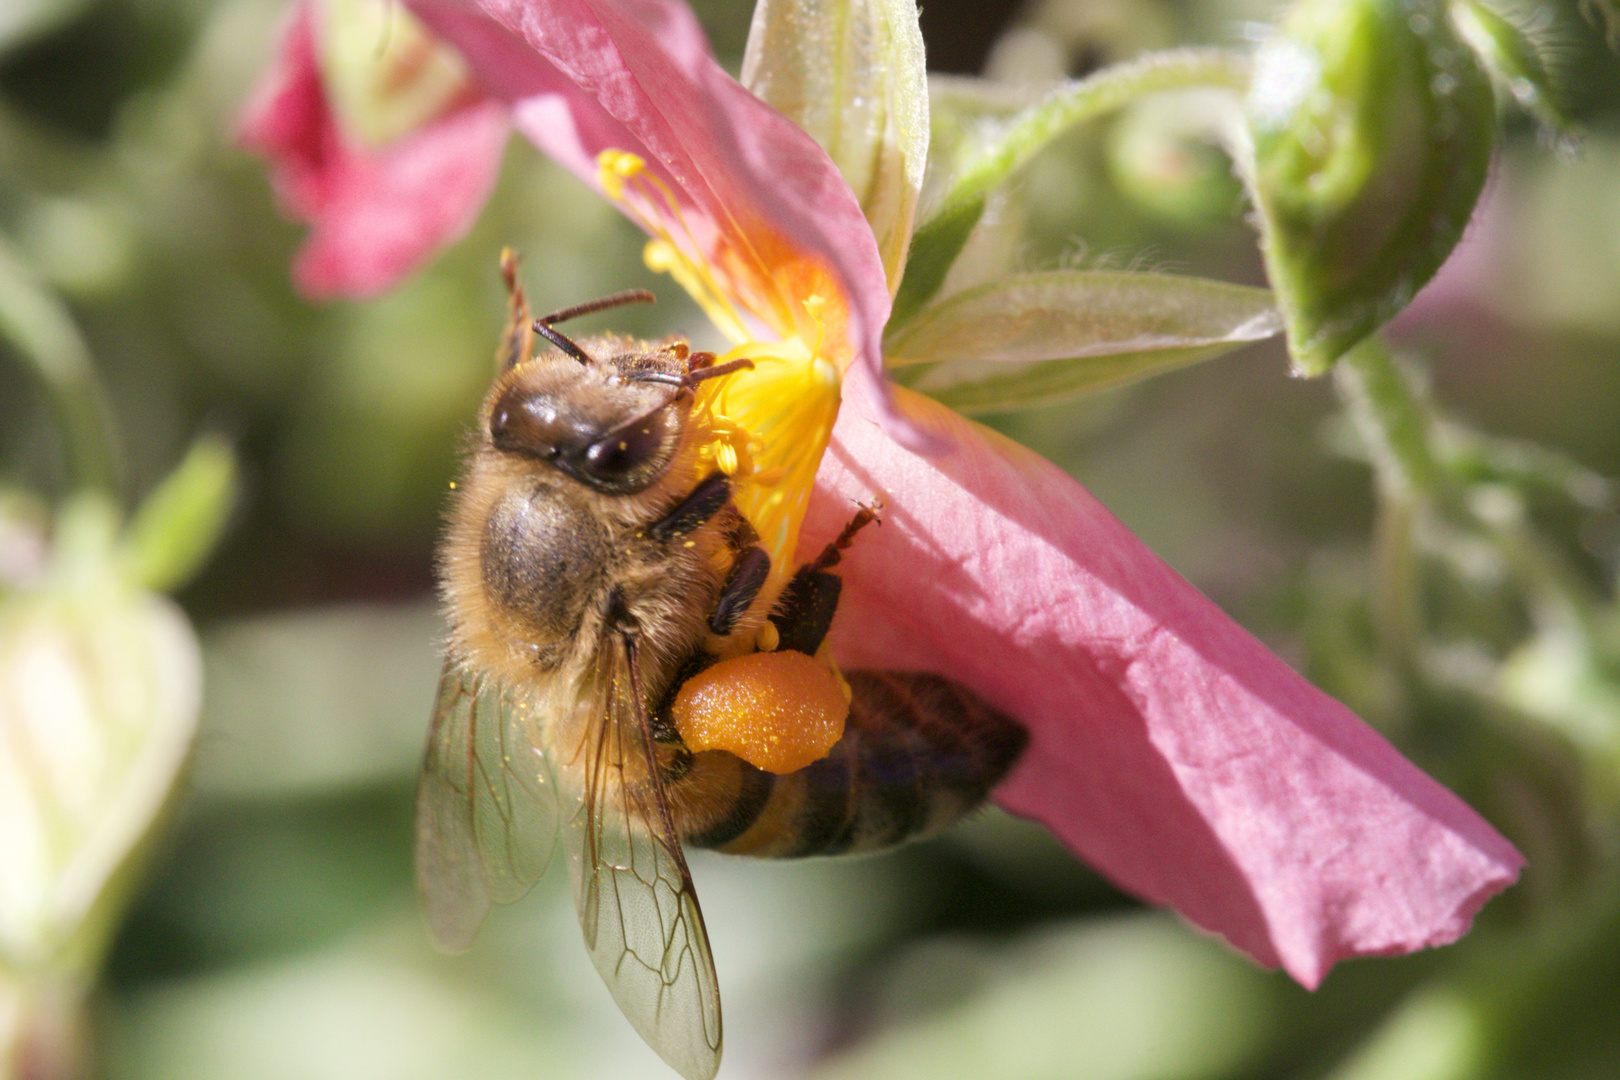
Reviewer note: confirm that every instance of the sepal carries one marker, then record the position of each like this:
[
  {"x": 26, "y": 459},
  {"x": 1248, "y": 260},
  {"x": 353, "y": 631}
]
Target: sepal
[{"x": 1031, "y": 339}]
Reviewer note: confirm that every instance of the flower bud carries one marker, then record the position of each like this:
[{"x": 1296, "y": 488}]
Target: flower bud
[
  {"x": 1165, "y": 154},
  {"x": 99, "y": 693},
  {"x": 1372, "y": 127}
]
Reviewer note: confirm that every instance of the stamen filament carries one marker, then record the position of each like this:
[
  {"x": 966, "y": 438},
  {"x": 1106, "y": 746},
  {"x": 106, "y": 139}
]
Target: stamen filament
[{"x": 623, "y": 174}]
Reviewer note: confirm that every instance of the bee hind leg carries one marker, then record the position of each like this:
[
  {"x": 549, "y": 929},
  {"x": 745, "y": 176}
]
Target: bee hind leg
[{"x": 805, "y": 610}]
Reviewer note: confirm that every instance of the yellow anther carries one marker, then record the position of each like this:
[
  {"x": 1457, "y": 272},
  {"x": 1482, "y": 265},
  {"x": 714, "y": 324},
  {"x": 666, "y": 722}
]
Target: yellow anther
[
  {"x": 725, "y": 458},
  {"x": 614, "y": 168}
]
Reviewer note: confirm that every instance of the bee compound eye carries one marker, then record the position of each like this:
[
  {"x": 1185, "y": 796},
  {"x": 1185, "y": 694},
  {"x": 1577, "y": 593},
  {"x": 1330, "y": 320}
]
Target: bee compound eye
[
  {"x": 624, "y": 452},
  {"x": 527, "y": 425}
]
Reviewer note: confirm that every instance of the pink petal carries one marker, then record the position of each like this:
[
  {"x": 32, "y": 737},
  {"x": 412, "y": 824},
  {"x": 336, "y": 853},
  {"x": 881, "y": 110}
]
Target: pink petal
[
  {"x": 375, "y": 214},
  {"x": 1169, "y": 748},
  {"x": 584, "y": 76}
]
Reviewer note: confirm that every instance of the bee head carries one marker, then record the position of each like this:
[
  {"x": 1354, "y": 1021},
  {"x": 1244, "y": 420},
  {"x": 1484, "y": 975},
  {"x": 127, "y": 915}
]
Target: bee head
[{"x": 600, "y": 425}]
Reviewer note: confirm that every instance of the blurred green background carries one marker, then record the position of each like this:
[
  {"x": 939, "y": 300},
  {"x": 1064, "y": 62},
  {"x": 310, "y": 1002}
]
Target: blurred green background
[{"x": 276, "y": 934}]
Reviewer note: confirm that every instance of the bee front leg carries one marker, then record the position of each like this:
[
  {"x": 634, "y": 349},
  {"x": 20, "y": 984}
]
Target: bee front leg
[
  {"x": 517, "y": 343},
  {"x": 701, "y": 504}
]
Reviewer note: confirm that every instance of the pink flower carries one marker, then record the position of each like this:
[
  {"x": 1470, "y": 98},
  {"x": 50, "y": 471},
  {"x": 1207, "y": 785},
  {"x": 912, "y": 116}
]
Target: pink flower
[{"x": 1168, "y": 747}]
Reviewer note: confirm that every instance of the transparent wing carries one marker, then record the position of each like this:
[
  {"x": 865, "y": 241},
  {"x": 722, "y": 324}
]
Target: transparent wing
[
  {"x": 637, "y": 907},
  {"x": 486, "y": 807}
]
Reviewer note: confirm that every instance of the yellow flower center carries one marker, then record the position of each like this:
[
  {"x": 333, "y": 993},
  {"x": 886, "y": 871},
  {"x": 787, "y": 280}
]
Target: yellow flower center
[
  {"x": 765, "y": 428},
  {"x": 768, "y": 429}
]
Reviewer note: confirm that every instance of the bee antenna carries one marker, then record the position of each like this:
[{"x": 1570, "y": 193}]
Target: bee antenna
[
  {"x": 695, "y": 376},
  {"x": 542, "y": 325},
  {"x": 557, "y": 338}
]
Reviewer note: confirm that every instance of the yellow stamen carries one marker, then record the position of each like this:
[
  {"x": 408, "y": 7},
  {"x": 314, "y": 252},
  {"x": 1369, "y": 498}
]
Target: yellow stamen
[{"x": 663, "y": 257}]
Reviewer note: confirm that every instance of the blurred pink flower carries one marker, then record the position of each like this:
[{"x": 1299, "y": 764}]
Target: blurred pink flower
[
  {"x": 1168, "y": 747},
  {"x": 376, "y": 211}
]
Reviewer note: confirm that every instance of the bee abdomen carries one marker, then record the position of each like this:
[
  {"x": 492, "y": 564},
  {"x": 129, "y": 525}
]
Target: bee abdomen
[{"x": 918, "y": 752}]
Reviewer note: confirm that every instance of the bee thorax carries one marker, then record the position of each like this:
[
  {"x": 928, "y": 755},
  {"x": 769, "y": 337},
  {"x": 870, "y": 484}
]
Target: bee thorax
[{"x": 542, "y": 561}]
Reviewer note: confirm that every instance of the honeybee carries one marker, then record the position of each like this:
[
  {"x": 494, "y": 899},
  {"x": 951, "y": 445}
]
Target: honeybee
[{"x": 586, "y": 576}]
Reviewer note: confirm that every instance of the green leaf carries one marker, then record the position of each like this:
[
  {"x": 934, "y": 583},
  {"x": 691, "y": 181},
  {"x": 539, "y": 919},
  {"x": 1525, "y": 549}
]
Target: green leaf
[
  {"x": 852, "y": 74},
  {"x": 178, "y": 525},
  {"x": 1372, "y": 128},
  {"x": 933, "y": 252},
  {"x": 984, "y": 142},
  {"x": 1035, "y": 338},
  {"x": 1118, "y": 998},
  {"x": 1437, "y": 1033},
  {"x": 1558, "y": 678}
]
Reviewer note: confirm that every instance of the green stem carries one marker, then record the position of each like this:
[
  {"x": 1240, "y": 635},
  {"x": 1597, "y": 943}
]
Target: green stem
[
  {"x": 940, "y": 239},
  {"x": 42, "y": 331},
  {"x": 1398, "y": 429},
  {"x": 1077, "y": 102},
  {"x": 1397, "y": 602},
  {"x": 1393, "y": 420}
]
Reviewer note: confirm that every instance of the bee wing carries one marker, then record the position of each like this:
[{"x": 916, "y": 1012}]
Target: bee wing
[
  {"x": 486, "y": 806},
  {"x": 637, "y": 906}
]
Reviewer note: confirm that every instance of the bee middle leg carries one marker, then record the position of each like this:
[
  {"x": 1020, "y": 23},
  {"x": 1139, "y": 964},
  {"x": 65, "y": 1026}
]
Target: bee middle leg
[
  {"x": 752, "y": 565},
  {"x": 747, "y": 577}
]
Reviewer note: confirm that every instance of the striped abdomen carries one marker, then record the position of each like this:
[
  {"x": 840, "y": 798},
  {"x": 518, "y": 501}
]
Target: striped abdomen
[{"x": 918, "y": 752}]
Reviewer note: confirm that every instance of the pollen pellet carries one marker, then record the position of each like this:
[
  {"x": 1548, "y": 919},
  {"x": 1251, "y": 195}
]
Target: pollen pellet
[{"x": 778, "y": 711}]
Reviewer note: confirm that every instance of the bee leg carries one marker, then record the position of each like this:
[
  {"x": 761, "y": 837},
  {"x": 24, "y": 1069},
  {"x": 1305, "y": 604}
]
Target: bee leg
[
  {"x": 704, "y": 501},
  {"x": 748, "y": 576},
  {"x": 805, "y": 610}
]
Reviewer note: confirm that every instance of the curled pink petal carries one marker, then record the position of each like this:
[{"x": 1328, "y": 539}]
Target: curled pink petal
[
  {"x": 584, "y": 76},
  {"x": 1169, "y": 748},
  {"x": 375, "y": 215}
]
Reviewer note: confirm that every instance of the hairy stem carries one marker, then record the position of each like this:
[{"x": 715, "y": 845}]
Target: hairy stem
[{"x": 40, "y": 329}]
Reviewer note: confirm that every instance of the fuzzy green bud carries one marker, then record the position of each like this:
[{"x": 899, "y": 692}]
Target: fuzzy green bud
[{"x": 1372, "y": 127}]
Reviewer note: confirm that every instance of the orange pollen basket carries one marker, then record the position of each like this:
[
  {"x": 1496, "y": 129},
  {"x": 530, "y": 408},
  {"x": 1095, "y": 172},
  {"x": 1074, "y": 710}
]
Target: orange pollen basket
[{"x": 778, "y": 711}]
